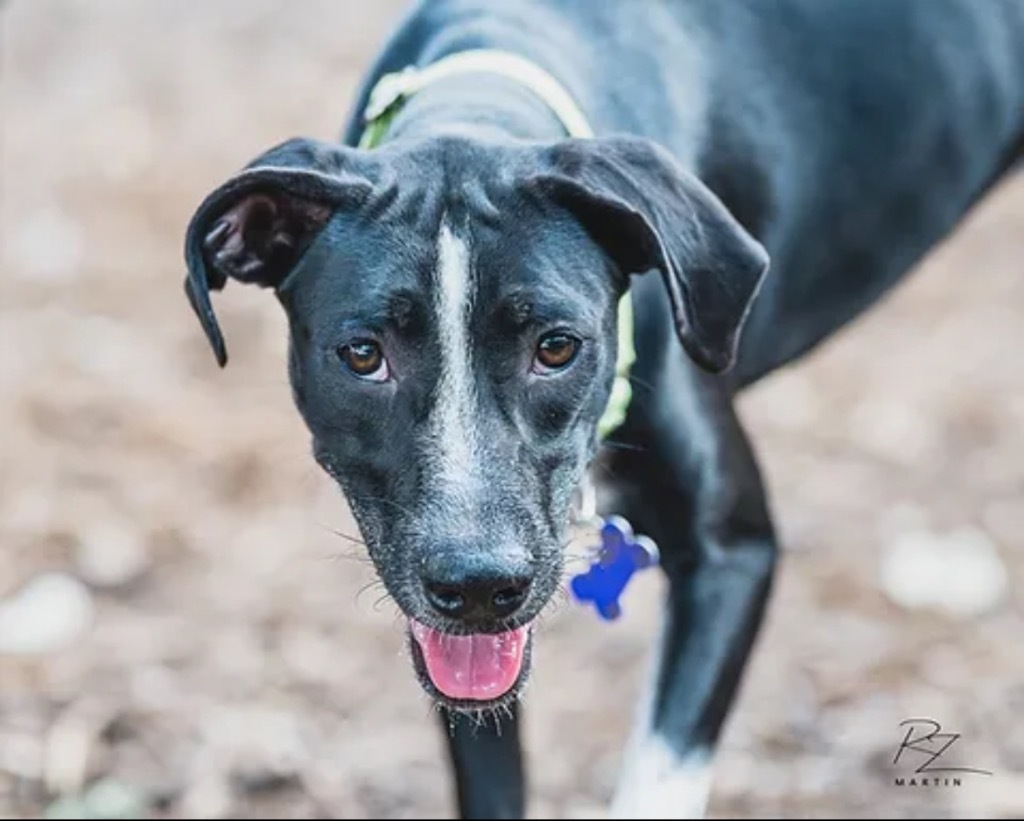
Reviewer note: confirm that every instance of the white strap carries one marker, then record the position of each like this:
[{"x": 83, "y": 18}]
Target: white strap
[{"x": 402, "y": 84}]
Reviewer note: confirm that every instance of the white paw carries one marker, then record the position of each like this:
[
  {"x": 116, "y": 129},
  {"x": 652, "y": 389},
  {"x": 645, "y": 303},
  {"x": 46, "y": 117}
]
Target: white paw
[{"x": 657, "y": 783}]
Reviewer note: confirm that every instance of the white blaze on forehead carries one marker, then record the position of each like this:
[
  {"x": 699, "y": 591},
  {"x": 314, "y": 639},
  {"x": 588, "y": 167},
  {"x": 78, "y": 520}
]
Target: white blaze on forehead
[{"x": 454, "y": 438}]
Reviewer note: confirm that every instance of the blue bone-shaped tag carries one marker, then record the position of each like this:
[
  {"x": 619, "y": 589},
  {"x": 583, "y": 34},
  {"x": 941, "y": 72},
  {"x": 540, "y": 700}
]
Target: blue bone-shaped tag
[{"x": 622, "y": 554}]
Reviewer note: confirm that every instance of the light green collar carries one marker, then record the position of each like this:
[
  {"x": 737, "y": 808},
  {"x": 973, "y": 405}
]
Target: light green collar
[{"x": 391, "y": 92}]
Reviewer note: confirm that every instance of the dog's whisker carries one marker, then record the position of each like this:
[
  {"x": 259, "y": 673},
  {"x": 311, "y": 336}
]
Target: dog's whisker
[
  {"x": 342, "y": 555},
  {"x": 576, "y": 556},
  {"x": 609, "y": 444},
  {"x": 342, "y": 535},
  {"x": 352, "y": 539},
  {"x": 559, "y": 600},
  {"x": 382, "y": 500},
  {"x": 606, "y": 469},
  {"x": 639, "y": 382},
  {"x": 370, "y": 585}
]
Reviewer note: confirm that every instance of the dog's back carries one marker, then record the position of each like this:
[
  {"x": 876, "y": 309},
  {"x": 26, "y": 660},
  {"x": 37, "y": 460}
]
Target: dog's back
[
  {"x": 898, "y": 117},
  {"x": 849, "y": 137}
]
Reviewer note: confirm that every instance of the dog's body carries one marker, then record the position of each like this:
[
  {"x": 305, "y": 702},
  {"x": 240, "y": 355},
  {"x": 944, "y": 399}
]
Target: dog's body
[{"x": 844, "y": 138}]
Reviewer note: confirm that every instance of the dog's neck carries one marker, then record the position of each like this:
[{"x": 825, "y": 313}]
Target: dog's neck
[{"x": 480, "y": 105}]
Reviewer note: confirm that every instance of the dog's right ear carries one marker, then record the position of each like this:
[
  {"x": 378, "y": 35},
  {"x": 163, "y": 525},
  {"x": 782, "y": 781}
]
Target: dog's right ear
[
  {"x": 650, "y": 213},
  {"x": 256, "y": 226}
]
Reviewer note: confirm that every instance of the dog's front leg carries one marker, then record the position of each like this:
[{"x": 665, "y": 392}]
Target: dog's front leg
[
  {"x": 487, "y": 760},
  {"x": 696, "y": 489}
]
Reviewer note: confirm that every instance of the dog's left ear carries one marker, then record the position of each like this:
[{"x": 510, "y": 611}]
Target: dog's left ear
[
  {"x": 255, "y": 227},
  {"x": 647, "y": 212}
]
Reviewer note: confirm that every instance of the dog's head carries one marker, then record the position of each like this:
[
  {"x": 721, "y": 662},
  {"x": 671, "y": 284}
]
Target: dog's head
[{"x": 452, "y": 309}]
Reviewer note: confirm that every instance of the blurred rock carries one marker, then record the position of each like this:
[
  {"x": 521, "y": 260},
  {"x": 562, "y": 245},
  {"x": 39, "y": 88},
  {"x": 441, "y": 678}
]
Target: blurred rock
[
  {"x": 111, "y": 556},
  {"x": 104, "y": 799},
  {"x": 49, "y": 614},
  {"x": 73, "y": 744},
  {"x": 960, "y": 573}
]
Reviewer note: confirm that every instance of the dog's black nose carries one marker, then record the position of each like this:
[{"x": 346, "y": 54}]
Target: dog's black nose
[{"x": 474, "y": 591}]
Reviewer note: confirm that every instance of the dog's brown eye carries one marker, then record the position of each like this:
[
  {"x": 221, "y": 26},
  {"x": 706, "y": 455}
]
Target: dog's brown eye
[
  {"x": 365, "y": 359},
  {"x": 555, "y": 351}
]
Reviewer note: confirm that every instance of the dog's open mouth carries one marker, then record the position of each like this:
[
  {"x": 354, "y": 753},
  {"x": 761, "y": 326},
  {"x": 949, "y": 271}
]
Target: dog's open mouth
[{"x": 472, "y": 671}]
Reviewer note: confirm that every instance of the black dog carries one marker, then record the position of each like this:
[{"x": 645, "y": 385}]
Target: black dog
[{"x": 453, "y": 291}]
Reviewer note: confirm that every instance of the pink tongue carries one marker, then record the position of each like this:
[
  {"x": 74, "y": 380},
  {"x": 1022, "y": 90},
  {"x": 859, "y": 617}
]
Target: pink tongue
[{"x": 476, "y": 668}]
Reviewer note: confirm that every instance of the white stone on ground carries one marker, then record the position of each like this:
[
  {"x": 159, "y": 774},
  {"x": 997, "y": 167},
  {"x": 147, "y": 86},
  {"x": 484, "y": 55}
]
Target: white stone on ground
[
  {"x": 48, "y": 614},
  {"x": 959, "y": 573}
]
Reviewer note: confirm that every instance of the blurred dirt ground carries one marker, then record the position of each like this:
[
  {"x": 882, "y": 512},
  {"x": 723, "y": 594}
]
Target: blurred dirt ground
[{"x": 235, "y": 666}]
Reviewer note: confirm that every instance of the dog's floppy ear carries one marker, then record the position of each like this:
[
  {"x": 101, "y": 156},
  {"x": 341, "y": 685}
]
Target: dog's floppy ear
[
  {"x": 647, "y": 212},
  {"x": 256, "y": 226}
]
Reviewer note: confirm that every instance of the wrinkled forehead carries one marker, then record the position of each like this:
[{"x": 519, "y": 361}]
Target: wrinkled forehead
[
  {"x": 435, "y": 218},
  {"x": 541, "y": 263}
]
